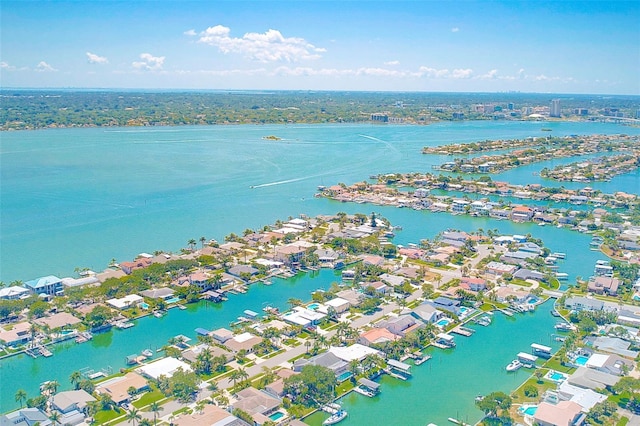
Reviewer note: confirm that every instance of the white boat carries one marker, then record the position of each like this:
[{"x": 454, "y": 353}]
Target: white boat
[
  {"x": 563, "y": 326},
  {"x": 559, "y": 255},
  {"x": 514, "y": 365},
  {"x": 364, "y": 392},
  {"x": 148, "y": 353},
  {"x": 157, "y": 314},
  {"x": 562, "y": 276},
  {"x": 336, "y": 418}
]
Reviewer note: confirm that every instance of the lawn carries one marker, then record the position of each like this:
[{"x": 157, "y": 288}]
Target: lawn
[
  {"x": 104, "y": 416},
  {"x": 149, "y": 397}
]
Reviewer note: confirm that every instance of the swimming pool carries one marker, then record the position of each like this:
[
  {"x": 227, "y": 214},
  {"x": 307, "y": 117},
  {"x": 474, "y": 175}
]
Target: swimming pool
[
  {"x": 532, "y": 300},
  {"x": 313, "y": 306},
  {"x": 636, "y": 297},
  {"x": 144, "y": 305},
  {"x": 173, "y": 300},
  {"x": 581, "y": 360},
  {"x": 463, "y": 310},
  {"x": 276, "y": 416},
  {"x": 530, "y": 410},
  {"x": 443, "y": 322},
  {"x": 556, "y": 376},
  {"x": 345, "y": 376}
]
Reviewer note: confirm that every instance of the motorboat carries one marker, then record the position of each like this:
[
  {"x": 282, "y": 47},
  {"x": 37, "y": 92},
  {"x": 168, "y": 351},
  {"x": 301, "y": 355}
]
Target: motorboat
[{"x": 514, "y": 365}]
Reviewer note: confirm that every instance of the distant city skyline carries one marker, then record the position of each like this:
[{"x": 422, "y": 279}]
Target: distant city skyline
[{"x": 586, "y": 47}]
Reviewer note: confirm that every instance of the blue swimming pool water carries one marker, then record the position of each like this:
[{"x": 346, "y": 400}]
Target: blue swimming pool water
[
  {"x": 313, "y": 306},
  {"x": 443, "y": 322},
  {"x": 581, "y": 360},
  {"x": 556, "y": 377},
  {"x": 172, "y": 300},
  {"x": 636, "y": 297},
  {"x": 463, "y": 309},
  {"x": 144, "y": 305},
  {"x": 533, "y": 300},
  {"x": 276, "y": 416},
  {"x": 530, "y": 411},
  {"x": 344, "y": 376}
]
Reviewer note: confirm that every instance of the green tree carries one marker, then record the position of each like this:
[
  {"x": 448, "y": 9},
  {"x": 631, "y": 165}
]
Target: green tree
[
  {"x": 314, "y": 385},
  {"x": 75, "y": 378},
  {"x": 54, "y": 417},
  {"x": 133, "y": 416},
  {"x": 494, "y": 402},
  {"x": 21, "y": 396},
  {"x": 155, "y": 408}
]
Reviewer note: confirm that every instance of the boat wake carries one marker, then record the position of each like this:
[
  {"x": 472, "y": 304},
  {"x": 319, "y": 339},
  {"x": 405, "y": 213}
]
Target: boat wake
[
  {"x": 391, "y": 147},
  {"x": 282, "y": 182}
]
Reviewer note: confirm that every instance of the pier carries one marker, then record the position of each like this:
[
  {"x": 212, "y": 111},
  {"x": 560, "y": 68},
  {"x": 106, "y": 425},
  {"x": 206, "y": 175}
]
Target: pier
[{"x": 463, "y": 331}]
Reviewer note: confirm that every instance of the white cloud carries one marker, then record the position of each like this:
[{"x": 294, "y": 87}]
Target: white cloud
[
  {"x": 491, "y": 75},
  {"x": 95, "y": 59},
  {"x": 433, "y": 73},
  {"x": 190, "y": 33},
  {"x": 149, "y": 62},
  {"x": 455, "y": 29},
  {"x": 392, "y": 63},
  {"x": 6, "y": 66},
  {"x": 45, "y": 67},
  {"x": 270, "y": 46},
  {"x": 462, "y": 73}
]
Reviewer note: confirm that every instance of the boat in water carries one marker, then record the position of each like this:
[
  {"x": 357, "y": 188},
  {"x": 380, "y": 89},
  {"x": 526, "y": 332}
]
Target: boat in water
[
  {"x": 148, "y": 353},
  {"x": 339, "y": 416},
  {"x": 563, "y": 326},
  {"x": 514, "y": 365}
]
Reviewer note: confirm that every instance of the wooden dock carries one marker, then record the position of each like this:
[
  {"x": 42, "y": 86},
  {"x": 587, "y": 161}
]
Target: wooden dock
[{"x": 462, "y": 331}]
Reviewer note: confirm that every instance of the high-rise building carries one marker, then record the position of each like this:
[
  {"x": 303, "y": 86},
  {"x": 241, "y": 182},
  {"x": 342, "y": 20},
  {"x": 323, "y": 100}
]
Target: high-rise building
[{"x": 554, "y": 109}]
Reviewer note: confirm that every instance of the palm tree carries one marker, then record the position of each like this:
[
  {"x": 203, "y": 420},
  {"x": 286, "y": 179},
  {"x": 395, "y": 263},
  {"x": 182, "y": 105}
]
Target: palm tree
[
  {"x": 235, "y": 376},
  {"x": 54, "y": 417},
  {"x": 133, "y": 416},
  {"x": 202, "y": 241},
  {"x": 75, "y": 379},
  {"x": 51, "y": 387},
  {"x": 21, "y": 396},
  {"x": 192, "y": 244},
  {"x": 155, "y": 408}
]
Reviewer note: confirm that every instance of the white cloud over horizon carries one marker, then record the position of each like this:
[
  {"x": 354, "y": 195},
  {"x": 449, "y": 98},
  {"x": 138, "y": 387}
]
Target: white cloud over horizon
[
  {"x": 270, "y": 46},
  {"x": 45, "y": 67}
]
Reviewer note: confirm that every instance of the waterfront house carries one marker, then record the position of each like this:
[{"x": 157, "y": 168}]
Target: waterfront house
[
  {"x": 427, "y": 312},
  {"x": 371, "y": 260},
  {"x": 139, "y": 263},
  {"x": 276, "y": 388},
  {"x": 163, "y": 367},
  {"x": 258, "y": 404},
  {"x": 445, "y": 340},
  {"x": 79, "y": 282},
  {"x": 521, "y": 213},
  {"x": 208, "y": 415},
  {"x": 15, "y": 335},
  {"x": 581, "y": 303},
  {"x": 355, "y": 352},
  {"x": 564, "y": 413},
  {"x": 517, "y": 257},
  {"x": 72, "y": 405},
  {"x": 244, "y": 341},
  {"x": 159, "y": 293},
  {"x": 530, "y": 247},
  {"x": 586, "y": 398},
  {"x": 528, "y": 274},
  {"x": 25, "y": 417},
  {"x": 191, "y": 354},
  {"x": 508, "y": 294},
  {"x": 393, "y": 280},
  {"x": 49, "y": 285},
  {"x": 13, "y": 293},
  {"x": 243, "y": 271},
  {"x": 201, "y": 280},
  {"x": 376, "y": 336},
  {"x": 459, "y": 205},
  {"x": 118, "y": 387},
  {"x": 326, "y": 359},
  {"x": 445, "y": 304},
  {"x": 303, "y": 316},
  {"x": 604, "y": 285},
  {"x": 401, "y": 325},
  {"x": 614, "y": 345},
  {"x": 327, "y": 255},
  {"x": 59, "y": 320},
  {"x": 126, "y": 302},
  {"x": 290, "y": 254},
  {"x": 222, "y": 334}
]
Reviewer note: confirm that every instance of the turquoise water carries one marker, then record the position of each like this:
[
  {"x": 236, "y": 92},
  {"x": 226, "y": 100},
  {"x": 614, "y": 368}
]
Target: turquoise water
[
  {"x": 446, "y": 385},
  {"x": 443, "y": 322},
  {"x": 276, "y": 416},
  {"x": 531, "y": 410},
  {"x": 313, "y": 306},
  {"x": 557, "y": 377},
  {"x": 110, "y": 193},
  {"x": 144, "y": 305},
  {"x": 173, "y": 300}
]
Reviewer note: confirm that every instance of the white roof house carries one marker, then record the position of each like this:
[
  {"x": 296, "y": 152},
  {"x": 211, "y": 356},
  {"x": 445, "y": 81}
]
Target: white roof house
[
  {"x": 125, "y": 302},
  {"x": 355, "y": 351},
  {"x": 303, "y": 316},
  {"x": 13, "y": 292},
  {"x": 163, "y": 367}
]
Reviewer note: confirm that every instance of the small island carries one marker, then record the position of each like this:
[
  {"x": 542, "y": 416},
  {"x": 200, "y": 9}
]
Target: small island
[{"x": 272, "y": 138}]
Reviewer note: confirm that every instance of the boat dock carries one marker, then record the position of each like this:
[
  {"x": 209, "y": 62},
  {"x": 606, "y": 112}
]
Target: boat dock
[{"x": 463, "y": 331}]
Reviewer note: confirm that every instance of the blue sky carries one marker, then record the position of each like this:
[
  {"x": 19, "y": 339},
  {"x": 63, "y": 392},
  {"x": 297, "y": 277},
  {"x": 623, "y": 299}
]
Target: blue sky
[{"x": 463, "y": 46}]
